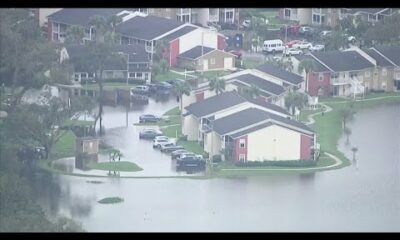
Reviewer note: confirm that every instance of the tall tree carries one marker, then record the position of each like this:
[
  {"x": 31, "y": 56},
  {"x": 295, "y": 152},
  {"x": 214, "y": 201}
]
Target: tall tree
[
  {"x": 217, "y": 84},
  {"x": 74, "y": 35},
  {"x": 25, "y": 54},
  {"x": 346, "y": 114},
  {"x": 182, "y": 88},
  {"x": 295, "y": 100},
  {"x": 102, "y": 52},
  {"x": 250, "y": 92},
  {"x": 306, "y": 65}
]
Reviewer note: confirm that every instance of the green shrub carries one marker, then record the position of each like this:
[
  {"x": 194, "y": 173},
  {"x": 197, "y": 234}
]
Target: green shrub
[
  {"x": 183, "y": 138},
  {"x": 217, "y": 158},
  {"x": 285, "y": 163}
]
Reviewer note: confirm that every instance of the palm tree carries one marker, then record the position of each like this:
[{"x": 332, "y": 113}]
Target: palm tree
[
  {"x": 250, "y": 92},
  {"x": 346, "y": 114},
  {"x": 295, "y": 100},
  {"x": 102, "y": 51},
  {"x": 354, "y": 150},
  {"x": 182, "y": 88},
  {"x": 160, "y": 50},
  {"x": 217, "y": 84},
  {"x": 306, "y": 65}
]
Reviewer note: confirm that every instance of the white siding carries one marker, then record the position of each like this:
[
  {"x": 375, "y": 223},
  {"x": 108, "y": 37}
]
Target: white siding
[
  {"x": 213, "y": 144},
  {"x": 261, "y": 144},
  {"x": 190, "y": 127},
  {"x": 194, "y": 38},
  {"x": 44, "y": 13},
  {"x": 187, "y": 100}
]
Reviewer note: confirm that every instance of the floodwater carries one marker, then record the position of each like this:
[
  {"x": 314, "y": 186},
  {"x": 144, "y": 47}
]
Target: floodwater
[{"x": 362, "y": 197}]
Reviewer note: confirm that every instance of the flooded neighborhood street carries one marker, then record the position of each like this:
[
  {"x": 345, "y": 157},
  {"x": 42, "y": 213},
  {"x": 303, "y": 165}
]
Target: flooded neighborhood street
[{"x": 362, "y": 198}]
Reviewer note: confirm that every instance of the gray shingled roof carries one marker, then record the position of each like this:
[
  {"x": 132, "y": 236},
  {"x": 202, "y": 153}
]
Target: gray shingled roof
[
  {"x": 271, "y": 106},
  {"x": 367, "y": 10},
  {"x": 148, "y": 27},
  {"x": 81, "y": 16},
  {"x": 239, "y": 120},
  {"x": 318, "y": 66},
  {"x": 391, "y": 52},
  {"x": 195, "y": 52},
  {"x": 76, "y": 52},
  {"x": 263, "y": 84},
  {"x": 215, "y": 104},
  {"x": 380, "y": 61},
  {"x": 343, "y": 61},
  {"x": 249, "y": 117},
  {"x": 178, "y": 33},
  {"x": 250, "y": 130},
  {"x": 280, "y": 73}
]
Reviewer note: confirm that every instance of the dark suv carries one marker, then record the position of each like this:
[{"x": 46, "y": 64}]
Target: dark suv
[{"x": 148, "y": 118}]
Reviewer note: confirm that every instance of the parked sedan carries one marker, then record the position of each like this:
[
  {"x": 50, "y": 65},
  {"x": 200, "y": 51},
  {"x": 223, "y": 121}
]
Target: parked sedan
[
  {"x": 149, "y": 133},
  {"x": 291, "y": 43},
  {"x": 175, "y": 154},
  {"x": 159, "y": 142},
  {"x": 302, "y": 45},
  {"x": 316, "y": 48},
  {"x": 292, "y": 51},
  {"x": 170, "y": 147},
  {"x": 148, "y": 118}
]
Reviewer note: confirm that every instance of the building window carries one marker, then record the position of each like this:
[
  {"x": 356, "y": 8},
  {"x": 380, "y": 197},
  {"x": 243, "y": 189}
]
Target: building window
[
  {"x": 139, "y": 75},
  {"x": 384, "y": 72},
  {"x": 397, "y": 75},
  {"x": 367, "y": 74},
  {"x": 212, "y": 60},
  {"x": 242, "y": 143},
  {"x": 131, "y": 75},
  {"x": 84, "y": 75},
  {"x": 321, "y": 76},
  {"x": 242, "y": 157},
  {"x": 287, "y": 13}
]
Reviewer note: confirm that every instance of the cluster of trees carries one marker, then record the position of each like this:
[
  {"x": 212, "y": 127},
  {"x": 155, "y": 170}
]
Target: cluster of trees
[{"x": 25, "y": 57}]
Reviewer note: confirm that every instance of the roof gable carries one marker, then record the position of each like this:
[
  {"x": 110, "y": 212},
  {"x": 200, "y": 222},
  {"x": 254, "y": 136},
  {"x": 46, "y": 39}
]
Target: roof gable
[
  {"x": 196, "y": 52},
  {"x": 343, "y": 61},
  {"x": 263, "y": 84},
  {"x": 81, "y": 16},
  {"x": 390, "y": 53},
  {"x": 280, "y": 73}
]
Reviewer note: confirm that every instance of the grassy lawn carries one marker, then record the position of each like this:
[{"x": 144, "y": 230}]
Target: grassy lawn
[
  {"x": 111, "y": 200},
  {"x": 108, "y": 86},
  {"x": 304, "y": 114},
  {"x": 172, "y": 120},
  {"x": 168, "y": 76},
  {"x": 65, "y": 146},
  {"x": 192, "y": 146},
  {"x": 173, "y": 131},
  {"x": 174, "y": 111},
  {"x": 122, "y": 166},
  {"x": 211, "y": 74}
]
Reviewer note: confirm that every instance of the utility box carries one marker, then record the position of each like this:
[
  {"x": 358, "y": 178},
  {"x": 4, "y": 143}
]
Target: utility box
[{"x": 86, "y": 152}]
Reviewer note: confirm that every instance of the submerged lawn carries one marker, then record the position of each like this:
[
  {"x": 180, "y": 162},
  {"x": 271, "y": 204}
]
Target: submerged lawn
[{"x": 65, "y": 146}]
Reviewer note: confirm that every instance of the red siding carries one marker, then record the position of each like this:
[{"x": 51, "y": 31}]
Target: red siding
[
  {"x": 221, "y": 45},
  {"x": 199, "y": 96},
  {"x": 239, "y": 150},
  {"x": 174, "y": 52},
  {"x": 314, "y": 84},
  {"x": 305, "y": 147},
  {"x": 49, "y": 30}
]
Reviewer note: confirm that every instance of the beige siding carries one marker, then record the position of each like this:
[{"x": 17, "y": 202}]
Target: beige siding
[
  {"x": 212, "y": 144},
  {"x": 215, "y": 60},
  {"x": 187, "y": 100},
  {"x": 261, "y": 145},
  {"x": 190, "y": 128}
]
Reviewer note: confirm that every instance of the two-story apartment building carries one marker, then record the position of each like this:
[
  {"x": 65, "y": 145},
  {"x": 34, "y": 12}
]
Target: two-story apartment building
[
  {"x": 337, "y": 73},
  {"x": 198, "y": 114},
  {"x": 253, "y": 134},
  {"x": 133, "y": 65},
  {"x": 201, "y": 16}
]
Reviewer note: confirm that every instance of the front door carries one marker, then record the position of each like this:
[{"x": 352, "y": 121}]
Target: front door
[
  {"x": 205, "y": 64},
  {"x": 228, "y": 63}
]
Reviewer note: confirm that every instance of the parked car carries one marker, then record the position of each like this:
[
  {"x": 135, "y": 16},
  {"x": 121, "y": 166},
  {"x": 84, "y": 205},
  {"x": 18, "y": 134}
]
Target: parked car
[
  {"x": 246, "y": 23},
  {"x": 292, "y": 51},
  {"x": 142, "y": 89},
  {"x": 316, "y": 48},
  {"x": 272, "y": 46},
  {"x": 161, "y": 137},
  {"x": 148, "y": 118},
  {"x": 175, "y": 154},
  {"x": 306, "y": 30},
  {"x": 149, "y": 133},
  {"x": 236, "y": 53},
  {"x": 170, "y": 147},
  {"x": 216, "y": 26},
  {"x": 326, "y": 33},
  {"x": 163, "y": 87},
  {"x": 302, "y": 45},
  {"x": 191, "y": 161},
  {"x": 184, "y": 155},
  {"x": 158, "y": 143},
  {"x": 291, "y": 43}
]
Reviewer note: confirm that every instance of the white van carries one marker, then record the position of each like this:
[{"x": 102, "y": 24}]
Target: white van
[{"x": 272, "y": 46}]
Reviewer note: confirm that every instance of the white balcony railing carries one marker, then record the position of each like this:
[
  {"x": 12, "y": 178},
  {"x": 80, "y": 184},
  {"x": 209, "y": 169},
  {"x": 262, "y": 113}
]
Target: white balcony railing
[{"x": 340, "y": 81}]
